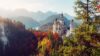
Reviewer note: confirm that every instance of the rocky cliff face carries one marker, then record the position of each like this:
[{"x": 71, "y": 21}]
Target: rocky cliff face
[{"x": 19, "y": 39}]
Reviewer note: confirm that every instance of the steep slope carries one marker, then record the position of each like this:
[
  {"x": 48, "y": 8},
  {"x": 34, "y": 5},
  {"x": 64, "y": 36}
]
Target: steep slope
[{"x": 19, "y": 39}]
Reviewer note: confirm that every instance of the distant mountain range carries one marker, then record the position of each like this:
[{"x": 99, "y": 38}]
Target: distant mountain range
[
  {"x": 37, "y": 16},
  {"x": 27, "y": 21},
  {"x": 33, "y": 19}
]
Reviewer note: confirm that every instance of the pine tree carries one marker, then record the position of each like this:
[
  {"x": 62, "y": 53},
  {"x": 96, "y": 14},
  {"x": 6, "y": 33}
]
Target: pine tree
[
  {"x": 85, "y": 9},
  {"x": 86, "y": 42}
]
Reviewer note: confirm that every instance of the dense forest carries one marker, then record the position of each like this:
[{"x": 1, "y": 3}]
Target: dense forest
[{"x": 20, "y": 40}]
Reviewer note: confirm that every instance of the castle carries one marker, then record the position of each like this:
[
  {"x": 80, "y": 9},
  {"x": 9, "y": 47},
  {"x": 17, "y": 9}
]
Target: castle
[{"x": 59, "y": 26}]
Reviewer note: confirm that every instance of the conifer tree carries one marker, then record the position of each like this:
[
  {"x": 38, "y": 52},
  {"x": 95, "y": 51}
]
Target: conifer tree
[{"x": 86, "y": 9}]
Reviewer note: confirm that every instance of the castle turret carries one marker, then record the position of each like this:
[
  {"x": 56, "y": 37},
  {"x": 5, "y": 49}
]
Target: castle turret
[
  {"x": 70, "y": 29},
  {"x": 55, "y": 26},
  {"x": 72, "y": 26}
]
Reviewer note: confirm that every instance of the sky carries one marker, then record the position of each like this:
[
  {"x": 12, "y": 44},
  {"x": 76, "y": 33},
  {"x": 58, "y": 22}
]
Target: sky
[{"x": 65, "y": 6}]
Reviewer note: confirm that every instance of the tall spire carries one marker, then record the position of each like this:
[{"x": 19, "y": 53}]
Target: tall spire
[
  {"x": 71, "y": 25},
  {"x": 62, "y": 15}
]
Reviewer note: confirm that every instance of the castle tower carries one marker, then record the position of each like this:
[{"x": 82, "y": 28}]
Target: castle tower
[
  {"x": 59, "y": 25},
  {"x": 55, "y": 26},
  {"x": 72, "y": 26},
  {"x": 62, "y": 15}
]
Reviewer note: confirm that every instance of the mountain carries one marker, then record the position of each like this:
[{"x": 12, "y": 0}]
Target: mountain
[
  {"x": 27, "y": 21},
  {"x": 32, "y": 19},
  {"x": 69, "y": 17},
  {"x": 37, "y": 16},
  {"x": 52, "y": 18},
  {"x": 46, "y": 24},
  {"x": 40, "y": 16}
]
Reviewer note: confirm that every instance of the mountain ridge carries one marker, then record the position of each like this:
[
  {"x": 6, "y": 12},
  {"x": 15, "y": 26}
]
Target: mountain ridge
[{"x": 36, "y": 19}]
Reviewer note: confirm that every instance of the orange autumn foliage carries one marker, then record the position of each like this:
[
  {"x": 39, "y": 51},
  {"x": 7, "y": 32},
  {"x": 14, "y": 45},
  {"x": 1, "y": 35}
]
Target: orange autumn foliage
[
  {"x": 56, "y": 36},
  {"x": 37, "y": 33},
  {"x": 48, "y": 44},
  {"x": 44, "y": 34}
]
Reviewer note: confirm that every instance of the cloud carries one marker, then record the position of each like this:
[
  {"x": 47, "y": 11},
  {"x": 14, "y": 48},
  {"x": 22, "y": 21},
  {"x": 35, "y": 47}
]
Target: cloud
[
  {"x": 14, "y": 4},
  {"x": 38, "y": 5}
]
